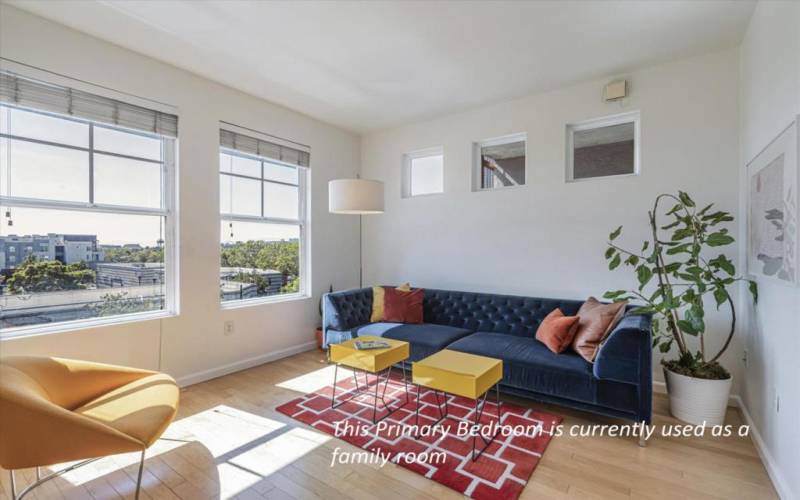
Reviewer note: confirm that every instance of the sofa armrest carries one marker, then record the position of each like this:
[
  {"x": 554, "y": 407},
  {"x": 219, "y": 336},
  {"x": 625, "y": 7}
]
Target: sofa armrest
[
  {"x": 346, "y": 310},
  {"x": 625, "y": 356}
]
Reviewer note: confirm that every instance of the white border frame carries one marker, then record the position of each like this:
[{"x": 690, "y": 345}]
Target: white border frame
[
  {"x": 303, "y": 219},
  {"x": 477, "y": 146},
  {"x": 774, "y": 142},
  {"x": 405, "y": 184},
  {"x": 605, "y": 121}
]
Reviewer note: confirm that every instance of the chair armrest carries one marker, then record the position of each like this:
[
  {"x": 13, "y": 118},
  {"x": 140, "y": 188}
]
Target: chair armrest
[{"x": 625, "y": 355}]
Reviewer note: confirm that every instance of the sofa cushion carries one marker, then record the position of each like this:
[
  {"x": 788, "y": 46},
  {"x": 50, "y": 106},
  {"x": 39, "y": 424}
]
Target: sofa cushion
[
  {"x": 425, "y": 338},
  {"x": 528, "y": 364}
]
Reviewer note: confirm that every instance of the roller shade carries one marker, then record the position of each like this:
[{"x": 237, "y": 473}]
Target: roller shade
[
  {"x": 29, "y": 93},
  {"x": 265, "y": 149}
]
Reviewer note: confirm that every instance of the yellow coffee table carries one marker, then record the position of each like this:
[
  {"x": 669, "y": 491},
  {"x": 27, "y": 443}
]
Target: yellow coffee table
[
  {"x": 467, "y": 375},
  {"x": 374, "y": 361}
]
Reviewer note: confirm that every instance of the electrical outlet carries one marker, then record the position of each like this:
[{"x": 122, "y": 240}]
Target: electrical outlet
[{"x": 228, "y": 328}]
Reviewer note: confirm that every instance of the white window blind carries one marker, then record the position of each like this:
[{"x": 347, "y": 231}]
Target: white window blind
[
  {"x": 30, "y": 93},
  {"x": 265, "y": 149}
]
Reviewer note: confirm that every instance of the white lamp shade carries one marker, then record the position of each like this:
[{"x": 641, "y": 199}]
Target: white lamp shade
[{"x": 355, "y": 196}]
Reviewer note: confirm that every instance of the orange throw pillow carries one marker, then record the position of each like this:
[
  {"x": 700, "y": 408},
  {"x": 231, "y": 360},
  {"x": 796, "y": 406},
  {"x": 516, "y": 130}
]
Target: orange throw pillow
[
  {"x": 402, "y": 307},
  {"x": 557, "y": 331},
  {"x": 596, "y": 320}
]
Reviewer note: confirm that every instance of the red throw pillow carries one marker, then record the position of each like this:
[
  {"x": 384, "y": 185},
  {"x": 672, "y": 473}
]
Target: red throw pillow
[
  {"x": 403, "y": 307},
  {"x": 557, "y": 331}
]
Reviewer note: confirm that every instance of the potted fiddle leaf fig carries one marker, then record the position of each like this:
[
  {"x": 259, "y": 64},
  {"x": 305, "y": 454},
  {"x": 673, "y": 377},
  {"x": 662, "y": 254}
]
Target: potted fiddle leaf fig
[{"x": 679, "y": 271}]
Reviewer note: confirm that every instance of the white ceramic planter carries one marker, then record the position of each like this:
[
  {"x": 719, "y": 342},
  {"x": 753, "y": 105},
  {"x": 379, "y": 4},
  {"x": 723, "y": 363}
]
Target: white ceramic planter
[{"x": 697, "y": 400}]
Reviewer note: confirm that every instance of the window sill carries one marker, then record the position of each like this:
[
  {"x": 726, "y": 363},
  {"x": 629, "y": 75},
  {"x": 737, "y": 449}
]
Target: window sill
[
  {"x": 258, "y": 301},
  {"x": 600, "y": 177},
  {"x": 71, "y": 326},
  {"x": 500, "y": 188}
]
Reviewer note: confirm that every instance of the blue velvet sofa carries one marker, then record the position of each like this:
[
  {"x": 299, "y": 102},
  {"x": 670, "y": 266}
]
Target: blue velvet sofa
[{"x": 617, "y": 384}]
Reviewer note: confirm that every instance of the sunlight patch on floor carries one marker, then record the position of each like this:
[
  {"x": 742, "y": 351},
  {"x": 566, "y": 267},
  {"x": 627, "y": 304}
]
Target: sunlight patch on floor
[
  {"x": 316, "y": 380},
  {"x": 233, "y": 480},
  {"x": 280, "y": 451},
  {"x": 220, "y": 430}
]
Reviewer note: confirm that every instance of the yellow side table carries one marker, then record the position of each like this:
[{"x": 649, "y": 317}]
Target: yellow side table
[
  {"x": 375, "y": 361},
  {"x": 467, "y": 375}
]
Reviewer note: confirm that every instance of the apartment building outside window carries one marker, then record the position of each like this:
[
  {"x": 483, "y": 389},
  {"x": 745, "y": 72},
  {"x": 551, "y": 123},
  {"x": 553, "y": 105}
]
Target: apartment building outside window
[{"x": 84, "y": 180}]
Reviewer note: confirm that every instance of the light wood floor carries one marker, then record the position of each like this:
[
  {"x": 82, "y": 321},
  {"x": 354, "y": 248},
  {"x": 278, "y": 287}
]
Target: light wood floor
[{"x": 228, "y": 442}]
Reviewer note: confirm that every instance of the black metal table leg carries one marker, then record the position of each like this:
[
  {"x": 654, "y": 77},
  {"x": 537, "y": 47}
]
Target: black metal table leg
[
  {"x": 358, "y": 391},
  {"x": 476, "y": 424}
]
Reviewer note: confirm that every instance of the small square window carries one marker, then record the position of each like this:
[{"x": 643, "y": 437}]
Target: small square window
[
  {"x": 499, "y": 163},
  {"x": 423, "y": 172},
  {"x": 603, "y": 147}
]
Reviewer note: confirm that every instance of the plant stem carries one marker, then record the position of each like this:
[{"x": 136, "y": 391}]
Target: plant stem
[{"x": 733, "y": 328}]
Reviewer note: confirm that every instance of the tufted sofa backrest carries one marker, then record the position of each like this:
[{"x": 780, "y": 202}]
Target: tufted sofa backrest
[
  {"x": 485, "y": 312},
  {"x": 347, "y": 309}
]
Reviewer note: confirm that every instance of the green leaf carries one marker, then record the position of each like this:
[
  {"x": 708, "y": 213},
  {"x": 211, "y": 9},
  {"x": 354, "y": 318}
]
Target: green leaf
[
  {"x": 685, "y": 199},
  {"x": 682, "y": 234},
  {"x": 705, "y": 209},
  {"x": 684, "y": 248},
  {"x": 612, "y": 295},
  {"x": 671, "y": 225},
  {"x": 665, "y": 346},
  {"x": 610, "y": 252},
  {"x": 672, "y": 267},
  {"x": 613, "y": 236},
  {"x": 694, "y": 315},
  {"x": 614, "y": 262},
  {"x": 721, "y": 296},
  {"x": 723, "y": 263},
  {"x": 718, "y": 239},
  {"x": 644, "y": 274},
  {"x": 632, "y": 260},
  {"x": 686, "y": 327},
  {"x": 645, "y": 246},
  {"x": 675, "y": 209},
  {"x": 753, "y": 287}
]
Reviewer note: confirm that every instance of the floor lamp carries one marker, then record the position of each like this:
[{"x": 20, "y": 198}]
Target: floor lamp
[{"x": 356, "y": 197}]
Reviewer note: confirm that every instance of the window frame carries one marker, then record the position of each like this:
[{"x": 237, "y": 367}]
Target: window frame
[
  {"x": 408, "y": 159},
  {"x": 477, "y": 160},
  {"x": 594, "y": 123},
  {"x": 303, "y": 223},
  {"x": 168, "y": 211}
]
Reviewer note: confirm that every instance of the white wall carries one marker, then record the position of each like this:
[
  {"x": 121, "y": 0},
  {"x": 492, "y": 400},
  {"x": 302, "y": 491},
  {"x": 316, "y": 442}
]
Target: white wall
[
  {"x": 192, "y": 345},
  {"x": 548, "y": 238},
  {"x": 770, "y": 100}
]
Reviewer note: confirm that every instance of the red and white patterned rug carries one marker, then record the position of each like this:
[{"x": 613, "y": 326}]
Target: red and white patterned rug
[{"x": 443, "y": 454}]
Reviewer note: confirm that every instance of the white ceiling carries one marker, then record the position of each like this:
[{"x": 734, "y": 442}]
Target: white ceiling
[{"x": 371, "y": 65}]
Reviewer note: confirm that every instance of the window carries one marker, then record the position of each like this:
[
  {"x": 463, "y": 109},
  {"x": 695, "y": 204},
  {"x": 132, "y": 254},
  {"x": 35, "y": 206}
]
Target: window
[
  {"x": 603, "y": 147},
  {"x": 263, "y": 219},
  {"x": 423, "y": 172},
  {"x": 86, "y": 227},
  {"x": 499, "y": 163}
]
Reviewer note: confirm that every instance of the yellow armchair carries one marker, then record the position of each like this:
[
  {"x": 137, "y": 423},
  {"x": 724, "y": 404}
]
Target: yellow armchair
[{"x": 55, "y": 410}]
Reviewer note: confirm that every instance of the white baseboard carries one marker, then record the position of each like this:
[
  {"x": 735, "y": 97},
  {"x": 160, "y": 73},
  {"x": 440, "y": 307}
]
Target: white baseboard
[
  {"x": 766, "y": 457},
  {"x": 661, "y": 388},
  {"x": 196, "y": 378}
]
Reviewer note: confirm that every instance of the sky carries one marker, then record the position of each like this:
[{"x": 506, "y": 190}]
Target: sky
[{"x": 41, "y": 171}]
